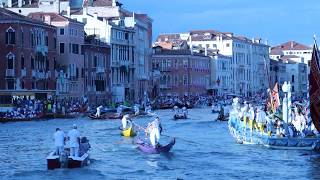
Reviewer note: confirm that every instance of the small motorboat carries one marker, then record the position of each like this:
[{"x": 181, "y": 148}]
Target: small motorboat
[
  {"x": 93, "y": 116},
  {"x": 179, "y": 116},
  {"x": 147, "y": 148},
  {"x": 17, "y": 119},
  {"x": 128, "y": 132},
  {"x": 55, "y": 161}
]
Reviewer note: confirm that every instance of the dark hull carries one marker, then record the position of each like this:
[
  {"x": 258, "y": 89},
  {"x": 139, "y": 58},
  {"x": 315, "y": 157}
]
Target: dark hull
[
  {"x": 4, "y": 119},
  {"x": 176, "y": 117},
  {"x": 53, "y": 161},
  {"x": 146, "y": 148}
]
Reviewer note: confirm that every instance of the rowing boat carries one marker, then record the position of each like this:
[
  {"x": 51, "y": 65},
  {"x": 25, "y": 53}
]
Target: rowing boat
[
  {"x": 146, "y": 148},
  {"x": 128, "y": 132},
  {"x": 179, "y": 116}
]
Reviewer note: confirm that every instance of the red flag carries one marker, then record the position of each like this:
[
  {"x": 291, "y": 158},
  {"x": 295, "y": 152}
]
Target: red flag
[
  {"x": 275, "y": 97},
  {"x": 314, "y": 88}
]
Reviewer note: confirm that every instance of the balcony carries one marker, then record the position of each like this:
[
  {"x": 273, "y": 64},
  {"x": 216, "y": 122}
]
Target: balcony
[
  {"x": 142, "y": 77},
  {"x": 34, "y": 73},
  {"x": 124, "y": 63},
  {"x": 41, "y": 75},
  {"x": 23, "y": 72},
  {"x": 100, "y": 70},
  {"x": 9, "y": 72},
  {"x": 156, "y": 73},
  {"x": 41, "y": 48}
]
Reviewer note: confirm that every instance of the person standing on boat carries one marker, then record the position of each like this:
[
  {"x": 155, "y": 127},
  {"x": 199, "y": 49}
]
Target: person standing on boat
[
  {"x": 74, "y": 141},
  {"x": 261, "y": 119},
  {"x": 59, "y": 139},
  {"x": 157, "y": 122},
  {"x": 244, "y": 111},
  {"x": 136, "y": 109},
  {"x": 154, "y": 135},
  {"x": 119, "y": 110},
  {"x": 98, "y": 113},
  {"x": 251, "y": 117},
  {"x": 125, "y": 121}
]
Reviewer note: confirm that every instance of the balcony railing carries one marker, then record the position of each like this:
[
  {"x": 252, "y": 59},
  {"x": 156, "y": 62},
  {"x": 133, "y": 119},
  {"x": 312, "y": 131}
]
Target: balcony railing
[
  {"x": 23, "y": 72},
  {"x": 100, "y": 70},
  {"x": 9, "y": 72}
]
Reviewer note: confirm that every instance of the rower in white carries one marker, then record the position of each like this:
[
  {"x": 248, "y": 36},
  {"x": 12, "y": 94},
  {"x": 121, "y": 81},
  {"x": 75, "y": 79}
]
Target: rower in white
[
  {"x": 98, "y": 113},
  {"x": 125, "y": 122},
  {"x": 185, "y": 111},
  {"x": 59, "y": 139},
  {"x": 154, "y": 135},
  {"x": 74, "y": 141}
]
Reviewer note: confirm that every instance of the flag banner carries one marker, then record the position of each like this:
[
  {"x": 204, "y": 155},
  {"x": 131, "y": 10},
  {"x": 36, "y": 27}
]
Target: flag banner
[{"x": 314, "y": 88}]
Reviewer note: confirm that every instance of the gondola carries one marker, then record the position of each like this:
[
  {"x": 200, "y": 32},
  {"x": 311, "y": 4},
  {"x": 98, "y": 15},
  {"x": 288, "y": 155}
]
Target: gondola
[
  {"x": 128, "y": 132},
  {"x": 146, "y": 148}
]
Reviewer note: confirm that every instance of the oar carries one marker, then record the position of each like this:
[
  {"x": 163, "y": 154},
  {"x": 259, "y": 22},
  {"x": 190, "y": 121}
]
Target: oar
[{"x": 193, "y": 142}]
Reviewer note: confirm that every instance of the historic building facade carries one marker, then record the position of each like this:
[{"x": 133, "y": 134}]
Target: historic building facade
[{"x": 28, "y": 48}]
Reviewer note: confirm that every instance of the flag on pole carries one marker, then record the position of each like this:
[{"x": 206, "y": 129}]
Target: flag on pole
[
  {"x": 314, "y": 88},
  {"x": 273, "y": 100}
]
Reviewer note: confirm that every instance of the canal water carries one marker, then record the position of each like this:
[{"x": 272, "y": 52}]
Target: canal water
[{"x": 204, "y": 150}]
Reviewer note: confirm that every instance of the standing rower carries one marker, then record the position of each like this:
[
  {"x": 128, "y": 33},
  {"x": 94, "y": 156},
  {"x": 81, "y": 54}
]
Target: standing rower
[
  {"x": 74, "y": 140},
  {"x": 59, "y": 139}
]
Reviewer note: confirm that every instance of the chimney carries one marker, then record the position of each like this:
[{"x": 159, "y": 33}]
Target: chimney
[
  {"x": 191, "y": 46},
  {"x": 47, "y": 19},
  {"x": 19, "y": 3},
  {"x": 291, "y": 44},
  {"x": 114, "y": 4},
  {"x": 68, "y": 11},
  {"x": 95, "y": 16},
  {"x": 85, "y": 11},
  {"x": 205, "y": 51},
  {"x": 9, "y": 3}
]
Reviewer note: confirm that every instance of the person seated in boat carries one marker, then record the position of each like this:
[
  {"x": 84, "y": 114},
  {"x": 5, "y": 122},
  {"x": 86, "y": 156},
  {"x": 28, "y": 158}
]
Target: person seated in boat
[
  {"x": 84, "y": 146},
  {"x": 221, "y": 113},
  {"x": 176, "y": 110},
  {"x": 59, "y": 141},
  {"x": 74, "y": 141},
  {"x": 98, "y": 113},
  {"x": 119, "y": 110},
  {"x": 126, "y": 122},
  {"x": 136, "y": 109},
  {"x": 185, "y": 111}
]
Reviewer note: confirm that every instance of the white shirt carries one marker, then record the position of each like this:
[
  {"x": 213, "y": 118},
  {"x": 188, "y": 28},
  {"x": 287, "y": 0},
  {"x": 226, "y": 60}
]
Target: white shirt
[
  {"x": 251, "y": 114},
  {"x": 58, "y": 138},
  {"x": 124, "y": 123},
  {"x": 73, "y": 137}
]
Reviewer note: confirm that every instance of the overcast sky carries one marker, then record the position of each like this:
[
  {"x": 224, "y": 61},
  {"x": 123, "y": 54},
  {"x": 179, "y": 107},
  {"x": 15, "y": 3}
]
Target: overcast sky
[{"x": 277, "y": 21}]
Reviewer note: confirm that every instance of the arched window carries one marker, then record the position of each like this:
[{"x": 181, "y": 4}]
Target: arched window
[
  {"x": 22, "y": 61},
  {"x": 10, "y": 61},
  {"x": 168, "y": 80},
  {"x": 10, "y": 36}
]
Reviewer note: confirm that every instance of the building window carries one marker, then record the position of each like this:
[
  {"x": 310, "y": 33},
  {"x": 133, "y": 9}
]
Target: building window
[
  {"x": 75, "y": 48},
  {"x": 46, "y": 40},
  {"x": 32, "y": 62},
  {"x": 61, "y": 48},
  {"x": 10, "y": 61},
  {"x": 10, "y": 84},
  {"x": 55, "y": 43},
  {"x": 62, "y": 31},
  {"x": 292, "y": 88},
  {"x": 185, "y": 80},
  {"x": 84, "y": 20},
  {"x": 227, "y": 45},
  {"x": 22, "y": 38},
  {"x": 22, "y": 62},
  {"x": 292, "y": 78},
  {"x": 10, "y": 36}
]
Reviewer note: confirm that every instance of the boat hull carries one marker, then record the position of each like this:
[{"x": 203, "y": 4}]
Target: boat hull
[
  {"x": 176, "y": 117},
  {"x": 55, "y": 162},
  {"x": 128, "y": 132},
  {"x": 146, "y": 148},
  {"x": 245, "y": 136}
]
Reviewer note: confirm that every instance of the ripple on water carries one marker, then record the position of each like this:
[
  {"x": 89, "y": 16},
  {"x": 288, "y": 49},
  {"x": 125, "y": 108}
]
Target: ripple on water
[{"x": 204, "y": 150}]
